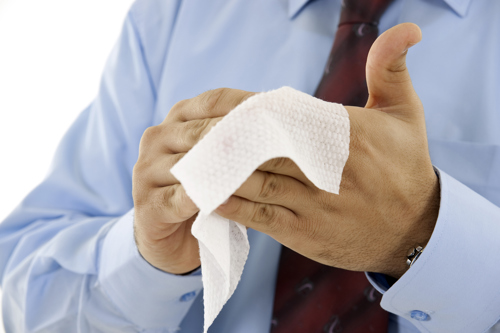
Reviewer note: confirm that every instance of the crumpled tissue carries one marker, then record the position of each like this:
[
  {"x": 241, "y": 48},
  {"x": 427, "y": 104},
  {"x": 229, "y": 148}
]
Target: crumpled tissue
[{"x": 281, "y": 123}]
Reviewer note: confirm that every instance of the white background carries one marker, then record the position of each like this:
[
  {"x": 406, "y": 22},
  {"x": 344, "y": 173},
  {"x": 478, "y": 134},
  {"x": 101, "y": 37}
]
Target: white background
[{"x": 51, "y": 55}]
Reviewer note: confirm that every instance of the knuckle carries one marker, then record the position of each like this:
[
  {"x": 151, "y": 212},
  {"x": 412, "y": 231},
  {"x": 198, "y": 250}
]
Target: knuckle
[
  {"x": 166, "y": 198},
  {"x": 186, "y": 206},
  {"x": 178, "y": 107},
  {"x": 149, "y": 140},
  {"x": 150, "y": 134},
  {"x": 214, "y": 97},
  {"x": 175, "y": 203},
  {"x": 271, "y": 187},
  {"x": 264, "y": 214},
  {"x": 198, "y": 129},
  {"x": 207, "y": 126},
  {"x": 189, "y": 135},
  {"x": 178, "y": 211}
]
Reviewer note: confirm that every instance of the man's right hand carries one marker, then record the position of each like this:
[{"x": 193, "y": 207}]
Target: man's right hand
[{"x": 163, "y": 212}]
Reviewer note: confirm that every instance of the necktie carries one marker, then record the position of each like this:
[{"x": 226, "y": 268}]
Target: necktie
[{"x": 311, "y": 297}]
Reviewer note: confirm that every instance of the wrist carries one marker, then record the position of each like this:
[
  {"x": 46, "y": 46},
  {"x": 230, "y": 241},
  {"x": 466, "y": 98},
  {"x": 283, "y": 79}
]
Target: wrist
[
  {"x": 126, "y": 280},
  {"x": 173, "y": 263},
  {"x": 417, "y": 233},
  {"x": 171, "y": 248}
]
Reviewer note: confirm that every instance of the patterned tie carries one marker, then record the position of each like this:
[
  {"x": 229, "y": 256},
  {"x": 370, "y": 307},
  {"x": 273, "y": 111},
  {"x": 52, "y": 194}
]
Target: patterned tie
[{"x": 311, "y": 297}]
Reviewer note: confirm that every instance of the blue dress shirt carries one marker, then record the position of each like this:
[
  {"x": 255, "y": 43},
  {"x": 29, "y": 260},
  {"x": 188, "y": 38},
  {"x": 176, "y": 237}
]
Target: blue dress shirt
[{"x": 68, "y": 262}]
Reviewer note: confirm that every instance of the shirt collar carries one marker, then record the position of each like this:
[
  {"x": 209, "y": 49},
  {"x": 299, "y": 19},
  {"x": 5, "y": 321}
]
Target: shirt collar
[{"x": 459, "y": 6}]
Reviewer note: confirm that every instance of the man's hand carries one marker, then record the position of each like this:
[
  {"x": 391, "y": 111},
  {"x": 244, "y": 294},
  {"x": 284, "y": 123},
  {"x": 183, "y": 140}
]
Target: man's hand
[
  {"x": 389, "y": 194},
  {"x": 163, "y": 212}
]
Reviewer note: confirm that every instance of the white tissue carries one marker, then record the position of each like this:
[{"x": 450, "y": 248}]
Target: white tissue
[{"x": 280, "y": 123}]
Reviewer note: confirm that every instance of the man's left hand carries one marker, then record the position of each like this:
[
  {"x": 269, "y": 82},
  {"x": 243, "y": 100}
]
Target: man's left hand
[{"x": 389, "y": 194}]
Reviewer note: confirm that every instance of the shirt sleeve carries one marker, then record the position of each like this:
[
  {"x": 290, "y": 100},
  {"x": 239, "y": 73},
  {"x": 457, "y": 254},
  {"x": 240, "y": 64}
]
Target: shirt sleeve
[
  {"x": 160, "y": 300},
  {"x": 454, "y": 286},
  {"x": 68, "y": 261}
]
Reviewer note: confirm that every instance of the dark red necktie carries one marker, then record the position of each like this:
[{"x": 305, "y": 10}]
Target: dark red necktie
[{"x": 311, "y": 297}]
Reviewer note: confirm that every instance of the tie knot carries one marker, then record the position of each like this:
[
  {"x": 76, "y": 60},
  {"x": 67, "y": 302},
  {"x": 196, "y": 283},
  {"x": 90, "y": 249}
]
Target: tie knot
[{"x": 362, "y": 11}]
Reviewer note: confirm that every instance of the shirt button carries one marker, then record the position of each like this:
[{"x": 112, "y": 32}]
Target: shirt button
[
  {"x": 419, "y": 315},
  {"x": 188, "y": 296}
]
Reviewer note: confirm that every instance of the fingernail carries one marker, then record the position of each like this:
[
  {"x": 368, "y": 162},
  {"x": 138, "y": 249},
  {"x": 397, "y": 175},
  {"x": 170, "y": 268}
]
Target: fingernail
[{"x": 410, "y": 45}]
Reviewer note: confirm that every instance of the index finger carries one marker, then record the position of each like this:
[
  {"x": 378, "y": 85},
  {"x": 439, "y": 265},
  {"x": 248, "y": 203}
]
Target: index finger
[{"x": 210, "y": 104}]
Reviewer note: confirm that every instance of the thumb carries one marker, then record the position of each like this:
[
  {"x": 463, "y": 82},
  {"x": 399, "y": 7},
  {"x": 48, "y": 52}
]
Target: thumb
[{"x": 388, "y": 80}]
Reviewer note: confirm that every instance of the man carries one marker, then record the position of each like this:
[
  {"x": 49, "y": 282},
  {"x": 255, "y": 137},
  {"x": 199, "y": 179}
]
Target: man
[{"x": 68, "y": 257}]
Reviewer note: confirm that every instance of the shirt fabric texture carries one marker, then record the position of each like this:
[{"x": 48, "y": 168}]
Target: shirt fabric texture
[{"x": 68, "y": 261}]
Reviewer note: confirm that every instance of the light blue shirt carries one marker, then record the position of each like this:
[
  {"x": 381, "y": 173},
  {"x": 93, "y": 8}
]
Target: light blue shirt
[{"x": 68, "y": 262}]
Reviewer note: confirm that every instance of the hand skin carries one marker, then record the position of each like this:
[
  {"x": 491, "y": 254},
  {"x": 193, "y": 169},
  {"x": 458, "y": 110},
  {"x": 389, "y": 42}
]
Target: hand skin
[
  {"x": 389, "y": 194},
  {"x": 163, "y": 212}
]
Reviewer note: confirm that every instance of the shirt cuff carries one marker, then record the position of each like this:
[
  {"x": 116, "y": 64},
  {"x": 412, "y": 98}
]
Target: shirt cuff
[
  {"x": 148, "y": 297},
  {"x": 454, "y": 286},
  {"x": 378, "y": 281}
]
